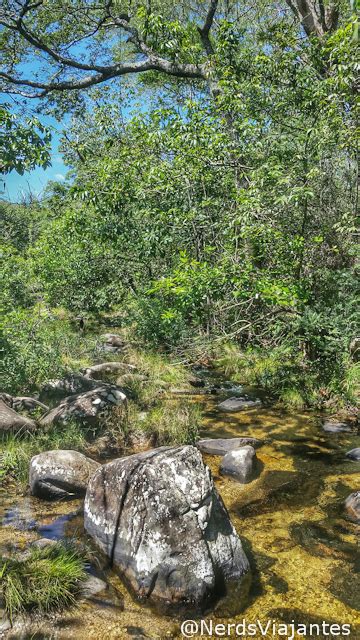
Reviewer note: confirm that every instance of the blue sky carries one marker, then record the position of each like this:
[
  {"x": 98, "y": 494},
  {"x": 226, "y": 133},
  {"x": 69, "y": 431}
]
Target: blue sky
[{"x": 15, "y": 187}]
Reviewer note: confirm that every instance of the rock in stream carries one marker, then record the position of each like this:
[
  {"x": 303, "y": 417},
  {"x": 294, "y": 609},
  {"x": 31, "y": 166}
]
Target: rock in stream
[
  {"x": 158, "y": 517},
  {"x": 60, "y": 474}
]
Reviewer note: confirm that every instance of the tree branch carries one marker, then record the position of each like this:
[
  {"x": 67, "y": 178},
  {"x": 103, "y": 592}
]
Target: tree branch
[
  {"x": 98, "y": 73},
  {"x": 315, "y": 20},
  {"x": 204, "y": 31}
]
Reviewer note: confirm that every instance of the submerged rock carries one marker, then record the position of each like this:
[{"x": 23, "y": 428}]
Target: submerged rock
[
  {"x": 160, "y": 520},
  {"x": 352, "y": 506},
  {"x": 60, "y": 474},
  {"x": 239, "y": 404},
  {"x": 221, "y": 446},
  {"x": 336, "y": 427},
  {"x": 12, "y": 422},
  {"x": 85, "y": 407},
  {"x": 239, "y": 464},
  {"x": 354, "y": 454},
  {"x": 92, "y": 586}
]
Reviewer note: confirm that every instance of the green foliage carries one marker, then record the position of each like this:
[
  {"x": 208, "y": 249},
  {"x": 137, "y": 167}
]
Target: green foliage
[
  {"x": 39, "y": 346},
  {"x": 44, "y": 580},
  {"x": 172, "y": 422},
  {"x": 224, "y": 206},
  {"x": 23, "y": 145}
]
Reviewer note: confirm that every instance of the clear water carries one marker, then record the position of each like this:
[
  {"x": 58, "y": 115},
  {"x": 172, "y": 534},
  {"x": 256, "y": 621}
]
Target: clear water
[{"x": 304, "y": 552}]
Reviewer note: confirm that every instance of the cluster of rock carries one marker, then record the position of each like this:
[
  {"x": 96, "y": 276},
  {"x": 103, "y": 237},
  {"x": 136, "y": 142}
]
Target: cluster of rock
[
  {"x": 82, "y": 397},
  {"x": 238, "y": 456},
  {"x": 160, "y": 520},
  {"x": 85, "y": 407}
]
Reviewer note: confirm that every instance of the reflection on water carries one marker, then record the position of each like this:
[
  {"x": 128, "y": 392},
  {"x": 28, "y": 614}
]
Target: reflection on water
[{"x": 303, "y": 551}]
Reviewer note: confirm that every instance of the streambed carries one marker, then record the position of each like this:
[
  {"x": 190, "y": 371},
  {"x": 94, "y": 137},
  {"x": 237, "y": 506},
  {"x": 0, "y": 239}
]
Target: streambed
[{"x": 304, "y": 552}]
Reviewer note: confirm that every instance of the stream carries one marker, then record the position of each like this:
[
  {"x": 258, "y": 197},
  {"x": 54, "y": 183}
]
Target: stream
[{"x": 303, "y": 551}]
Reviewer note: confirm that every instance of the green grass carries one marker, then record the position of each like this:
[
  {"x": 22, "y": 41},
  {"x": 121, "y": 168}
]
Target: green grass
[
  {"x": 171, "y": 422},
  {"x": 45, "y": 580}
]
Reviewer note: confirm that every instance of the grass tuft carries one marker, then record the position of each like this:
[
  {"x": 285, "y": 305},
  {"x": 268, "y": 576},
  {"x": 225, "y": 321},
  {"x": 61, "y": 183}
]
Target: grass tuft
[
  {"x": 172, "y": 422},
  {"x": 44, "y": 580}
]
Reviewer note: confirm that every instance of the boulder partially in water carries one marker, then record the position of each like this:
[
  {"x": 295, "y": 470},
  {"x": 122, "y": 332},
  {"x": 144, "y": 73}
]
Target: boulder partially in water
[
  {"x": 354, "y": 454},
  {"x": 336, "y": 427},
  {"x": 239, "y": 403},
  {"x": 239, "y": 464},
  {"x": 60, "y": 474},
  {"x": 221, "y": 446},
  {"x": 158, "y": 517},
  {"x": 352, "y": 506}
]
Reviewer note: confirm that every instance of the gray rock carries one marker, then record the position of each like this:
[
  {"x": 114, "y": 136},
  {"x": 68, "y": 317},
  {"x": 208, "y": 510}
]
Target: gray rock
[
  {"x": 12, "y": 422},
  {"x": 60, "y": 474},
  {"x": 354, "y": 454},
  {"x": 239, "y": 464},
  {"x": 23, "y": 403},
  {"x": 85, "y": 407},
  {"x": 71, "y": 384},
  {"x": 42, "y": 543},
  {"x": 221, "y": 446},
  {"x": 352, "y": 506},
  {"x": 239, "y": 404},
  {"x": 336, "y": 427},
  {"x": 158, "y": 517},
  {"x": 7, "y": 398},
  {"x": 98, "y": 371},
  {"x": 113, "y": 340},
  {"x": 92, "y": 586}
]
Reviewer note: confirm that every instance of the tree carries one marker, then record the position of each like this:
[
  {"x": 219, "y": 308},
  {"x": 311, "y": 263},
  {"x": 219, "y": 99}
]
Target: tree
[
  {"x": 81, "y": 44},
  {"x": 23, "y": 145}
]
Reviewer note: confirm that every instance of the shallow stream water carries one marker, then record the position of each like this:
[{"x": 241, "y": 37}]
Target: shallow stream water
[{"x": 304, "y": 552}]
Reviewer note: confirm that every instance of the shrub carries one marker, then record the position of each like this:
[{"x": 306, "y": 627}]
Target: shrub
[{"x": 37, "y": 346}]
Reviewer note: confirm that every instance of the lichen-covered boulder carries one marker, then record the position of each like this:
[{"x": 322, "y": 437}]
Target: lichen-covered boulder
[
  {"x": 239, "y": 464},
  {"x": 85, "y": 407},
  {"x": 12, "y": 422},
  {"x": 70, "y": 385},
  {"x": 160, "y": 520},
  {"x": 60, "y": 474}
]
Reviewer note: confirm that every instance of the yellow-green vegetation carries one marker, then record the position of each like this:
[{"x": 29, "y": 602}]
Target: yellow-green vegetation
[
  {"x": 288, "y": 377},
  {"x": 171, "y": 422},
  {"x": 155, "y": 375},
  {"x": 45, "y": 579}
]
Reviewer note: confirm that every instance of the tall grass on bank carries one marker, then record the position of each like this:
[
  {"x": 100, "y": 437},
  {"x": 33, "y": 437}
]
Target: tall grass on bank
[
  {"x": 44, "y": 580},
  {"x": 172, "y": 422}
]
